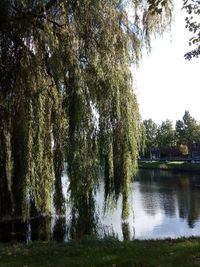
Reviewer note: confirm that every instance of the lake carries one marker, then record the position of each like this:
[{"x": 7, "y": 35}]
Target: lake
[{"x": 162, "y": 204}]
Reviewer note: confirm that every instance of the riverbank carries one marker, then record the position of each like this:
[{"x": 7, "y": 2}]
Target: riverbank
[
  {"x": 106, "y": 253},
  {"x": 170, "y": 165}
]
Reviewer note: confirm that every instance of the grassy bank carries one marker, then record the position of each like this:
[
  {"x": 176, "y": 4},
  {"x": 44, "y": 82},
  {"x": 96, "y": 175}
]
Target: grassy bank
[
  {"x": 171, "y": 165},
  {"x": 181, "y": 252}
]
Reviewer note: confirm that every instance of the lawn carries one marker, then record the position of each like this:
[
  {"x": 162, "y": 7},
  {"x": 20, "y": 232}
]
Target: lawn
[
  {"x": 105, "y": 253},
  {"x": 170, "y": 165}
]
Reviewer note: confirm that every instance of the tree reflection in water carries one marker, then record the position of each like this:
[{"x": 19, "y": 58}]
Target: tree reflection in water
[
  {"x": 59, "y": 229},
  {"x": 126, "y": 231},
  {"x": 175, "y": 195},
  {"x": 13, "y": 231},
  {"x": 84, "y": 220},
  {"x": 169, "y": 192},
  {"x": 41, "y": 228}
]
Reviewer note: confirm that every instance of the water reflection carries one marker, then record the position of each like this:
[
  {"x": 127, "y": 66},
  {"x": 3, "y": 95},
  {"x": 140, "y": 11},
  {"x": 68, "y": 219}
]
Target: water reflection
[
  {"x": 59, "y": 229},
  {"x": 84, "y": 220},
  {"x": 170, "y": 192},
  {"x": 126, "y": 231},
  {"x": 162, "y": 204},
  {"x": 13, "y": 231},
  {"x": 41, "y": 228}
]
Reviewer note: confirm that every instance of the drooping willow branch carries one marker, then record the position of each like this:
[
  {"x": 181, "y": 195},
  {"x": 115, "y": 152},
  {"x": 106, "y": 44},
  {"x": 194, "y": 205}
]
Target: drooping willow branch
[{"x": 66, "y": 96}]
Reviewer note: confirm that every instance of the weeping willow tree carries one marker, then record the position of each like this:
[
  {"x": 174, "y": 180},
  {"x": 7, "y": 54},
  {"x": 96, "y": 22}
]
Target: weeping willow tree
[{"x": 66, "y": 95}]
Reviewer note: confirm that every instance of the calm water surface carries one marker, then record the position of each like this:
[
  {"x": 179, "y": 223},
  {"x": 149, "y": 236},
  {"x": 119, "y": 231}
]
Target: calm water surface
[{"x": 162, "y": 204}]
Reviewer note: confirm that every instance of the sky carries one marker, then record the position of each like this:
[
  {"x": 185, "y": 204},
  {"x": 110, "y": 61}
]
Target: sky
[{"x": 167, "y": 84}]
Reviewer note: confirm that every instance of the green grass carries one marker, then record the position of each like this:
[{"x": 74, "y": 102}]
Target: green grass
[
  {"x": 171, "y": 165},
  {"x": 181, "y": 252}
]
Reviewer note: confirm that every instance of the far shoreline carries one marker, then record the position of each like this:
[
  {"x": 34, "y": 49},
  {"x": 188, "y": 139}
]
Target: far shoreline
[{"x": 184, "y": 166}]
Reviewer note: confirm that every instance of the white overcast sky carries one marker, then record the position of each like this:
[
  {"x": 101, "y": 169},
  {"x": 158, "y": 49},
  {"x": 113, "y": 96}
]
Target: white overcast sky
[{"x": 166, "y": 83}]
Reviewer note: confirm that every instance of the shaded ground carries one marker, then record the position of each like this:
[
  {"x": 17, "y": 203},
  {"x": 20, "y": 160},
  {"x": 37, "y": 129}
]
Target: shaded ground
[{"x": 106, "y": 253}]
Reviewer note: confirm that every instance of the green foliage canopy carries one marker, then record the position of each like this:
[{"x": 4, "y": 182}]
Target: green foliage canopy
[
  {"x": 188, "y": 129},
  {"x": 166, "y": 136},
  {"x": 66, "y": 95},
  {"x": 151, "y": 130}
]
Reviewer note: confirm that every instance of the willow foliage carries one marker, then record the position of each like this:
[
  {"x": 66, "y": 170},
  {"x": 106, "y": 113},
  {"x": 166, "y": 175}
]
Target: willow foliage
[{"x": 66, "y": 95}]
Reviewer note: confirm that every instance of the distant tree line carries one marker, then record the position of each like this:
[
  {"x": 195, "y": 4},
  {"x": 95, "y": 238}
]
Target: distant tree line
[{"x": 166, "y": 137}]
